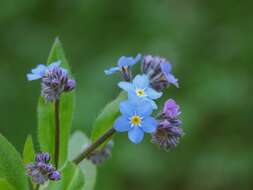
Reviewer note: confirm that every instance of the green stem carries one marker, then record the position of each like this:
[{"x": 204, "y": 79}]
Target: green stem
[
  {"x": 94, "y": 146},
  {"x": 37, "y": 187},
  {"x": 57, "y": 132}
]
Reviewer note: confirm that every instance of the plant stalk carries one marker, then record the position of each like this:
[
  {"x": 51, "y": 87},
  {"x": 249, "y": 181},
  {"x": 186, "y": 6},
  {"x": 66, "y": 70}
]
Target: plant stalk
[
  {"x": 57, "y": 132},
  {"x": 37, "y": 187},
  {"x": 83, "y": 155}
]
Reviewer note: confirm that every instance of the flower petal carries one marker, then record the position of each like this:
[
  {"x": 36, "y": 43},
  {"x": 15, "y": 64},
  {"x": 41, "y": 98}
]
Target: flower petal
[
  {"x": 125, "y": 61},
  {"x": 153, "y": 104},
  {"x": 149, "y": 125},
  {"x": 153, "y": 94},
  {"x": 31, "y": 77},
  {"x": 137, "y": 58},
  {"x": 128, "y": 61},
  {"x": 141, "y": 81},
  {"x": 54, "y": 64},
  {"x": 122, "y": 124},
  {"x": 136, "y": 135},
  {"x": 144, "y": 107},
  {"x": 166, "y": 67},
  {"x": 172, "y": 79},
  {"x": 112, "y": 70},
  {"x": 37, "y": 73},
  {"x": 127, "y": 86},
  {"x": 127, "y": 108}
]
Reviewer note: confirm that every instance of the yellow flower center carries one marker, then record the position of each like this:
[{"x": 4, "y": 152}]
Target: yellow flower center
[
  {"x": 136, "y": 120},
  {"x": 140, "y": 92}
]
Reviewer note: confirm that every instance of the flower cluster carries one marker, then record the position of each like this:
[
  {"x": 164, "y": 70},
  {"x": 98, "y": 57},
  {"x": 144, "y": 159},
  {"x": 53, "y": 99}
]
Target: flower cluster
[
  {"x": 159, "y": 72},
  {"x": 41, "y": 170},
  {"x": 54, "y": 80},
  {"x": 169, "y": 132},
  {"x": 136, "y": 112}
]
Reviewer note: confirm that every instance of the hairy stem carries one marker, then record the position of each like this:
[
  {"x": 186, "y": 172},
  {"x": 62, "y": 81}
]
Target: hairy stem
[
  {"x": 57, "y": 132},
  {"x": 94, "y": 146},
  {"x": 37, "y": 187}
]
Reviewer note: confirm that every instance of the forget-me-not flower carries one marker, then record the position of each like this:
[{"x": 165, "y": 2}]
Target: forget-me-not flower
[
  {"x": 140, "y": 89},
  {"x": 135, "y": 119},
  {"x": 124, "y": 66}
]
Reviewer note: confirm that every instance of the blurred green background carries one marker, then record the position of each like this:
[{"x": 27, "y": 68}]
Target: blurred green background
[{"x": 210, "y": 44}]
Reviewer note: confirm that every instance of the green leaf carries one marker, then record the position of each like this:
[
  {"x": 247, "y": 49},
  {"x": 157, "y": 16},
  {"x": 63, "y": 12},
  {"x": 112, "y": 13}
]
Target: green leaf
[
  {"x": 77, "y": 143},
  {"x": 46, "y": 113},
  {"x": 11, "y": 165},
  {"x": 4, "y": 185},
  {"x": 72, "y": 178},
  {"x": 107, "y": 117},
  {"x": 28, "y": 151}
]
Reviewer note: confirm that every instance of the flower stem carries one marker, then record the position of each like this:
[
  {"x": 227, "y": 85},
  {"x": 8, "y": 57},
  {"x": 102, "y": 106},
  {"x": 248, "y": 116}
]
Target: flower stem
[
  {"x": 94, "y": 146},
  {"x": 57, "y": 132},
  {"x": 37, "y": 187}
]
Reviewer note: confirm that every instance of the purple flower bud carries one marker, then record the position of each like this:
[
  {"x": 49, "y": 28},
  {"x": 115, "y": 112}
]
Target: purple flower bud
[
  {"x": 70, "y": 85},
  {"x": 54, "y": 83},
  {"x": 169, "y": 132},
  {"x": 42, "y": 157},
  {"x": 171, "y": 109},
  {"x": 159, "y": 72},
  {"x": 55, "y": 176},
  {"x": 41, "y": 171},
  {"x": 99, "y": 156},
  {"x": 167, "y": 135}
]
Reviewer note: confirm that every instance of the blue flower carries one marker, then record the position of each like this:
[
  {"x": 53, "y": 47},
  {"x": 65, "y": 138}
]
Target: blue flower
[
  {"x": 136, "y": 119},
  {"x": 40, "y": 71},
  {"x": 140, "y": 89},
  {"x": 124, "y": 66}
]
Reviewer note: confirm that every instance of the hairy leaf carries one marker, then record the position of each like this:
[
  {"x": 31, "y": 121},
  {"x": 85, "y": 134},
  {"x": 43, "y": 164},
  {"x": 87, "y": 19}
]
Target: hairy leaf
[
  {"x": 107, "y": 117},
  {"x": 28, "y": 151},
  {"x": 4, "y": 185},
  {"x": 11, "y": 166}
]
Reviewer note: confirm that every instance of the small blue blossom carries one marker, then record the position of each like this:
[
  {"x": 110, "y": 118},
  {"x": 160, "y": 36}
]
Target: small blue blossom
[
  {"x": 140, "y": 89},
  {"x": 124, "y": 66},
  {"x": 40, "y": 71},
  {"x": 135, "y": 119}
]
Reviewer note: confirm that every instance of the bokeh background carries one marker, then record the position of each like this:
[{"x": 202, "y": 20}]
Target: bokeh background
[{"x": 210, "y": 44}]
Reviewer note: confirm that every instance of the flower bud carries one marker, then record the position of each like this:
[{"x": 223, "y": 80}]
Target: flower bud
[
  {"x": 42, "y": 157},
  {"x": 99, "y": 156},
  {"x": 71, "y": 84},
  {"x": 55, "y": 176},
  {"x": 159, "y": 72}
]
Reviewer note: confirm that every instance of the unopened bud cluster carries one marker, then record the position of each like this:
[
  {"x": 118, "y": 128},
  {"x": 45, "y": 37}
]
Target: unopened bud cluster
[{"x": 41, "y": 170}]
